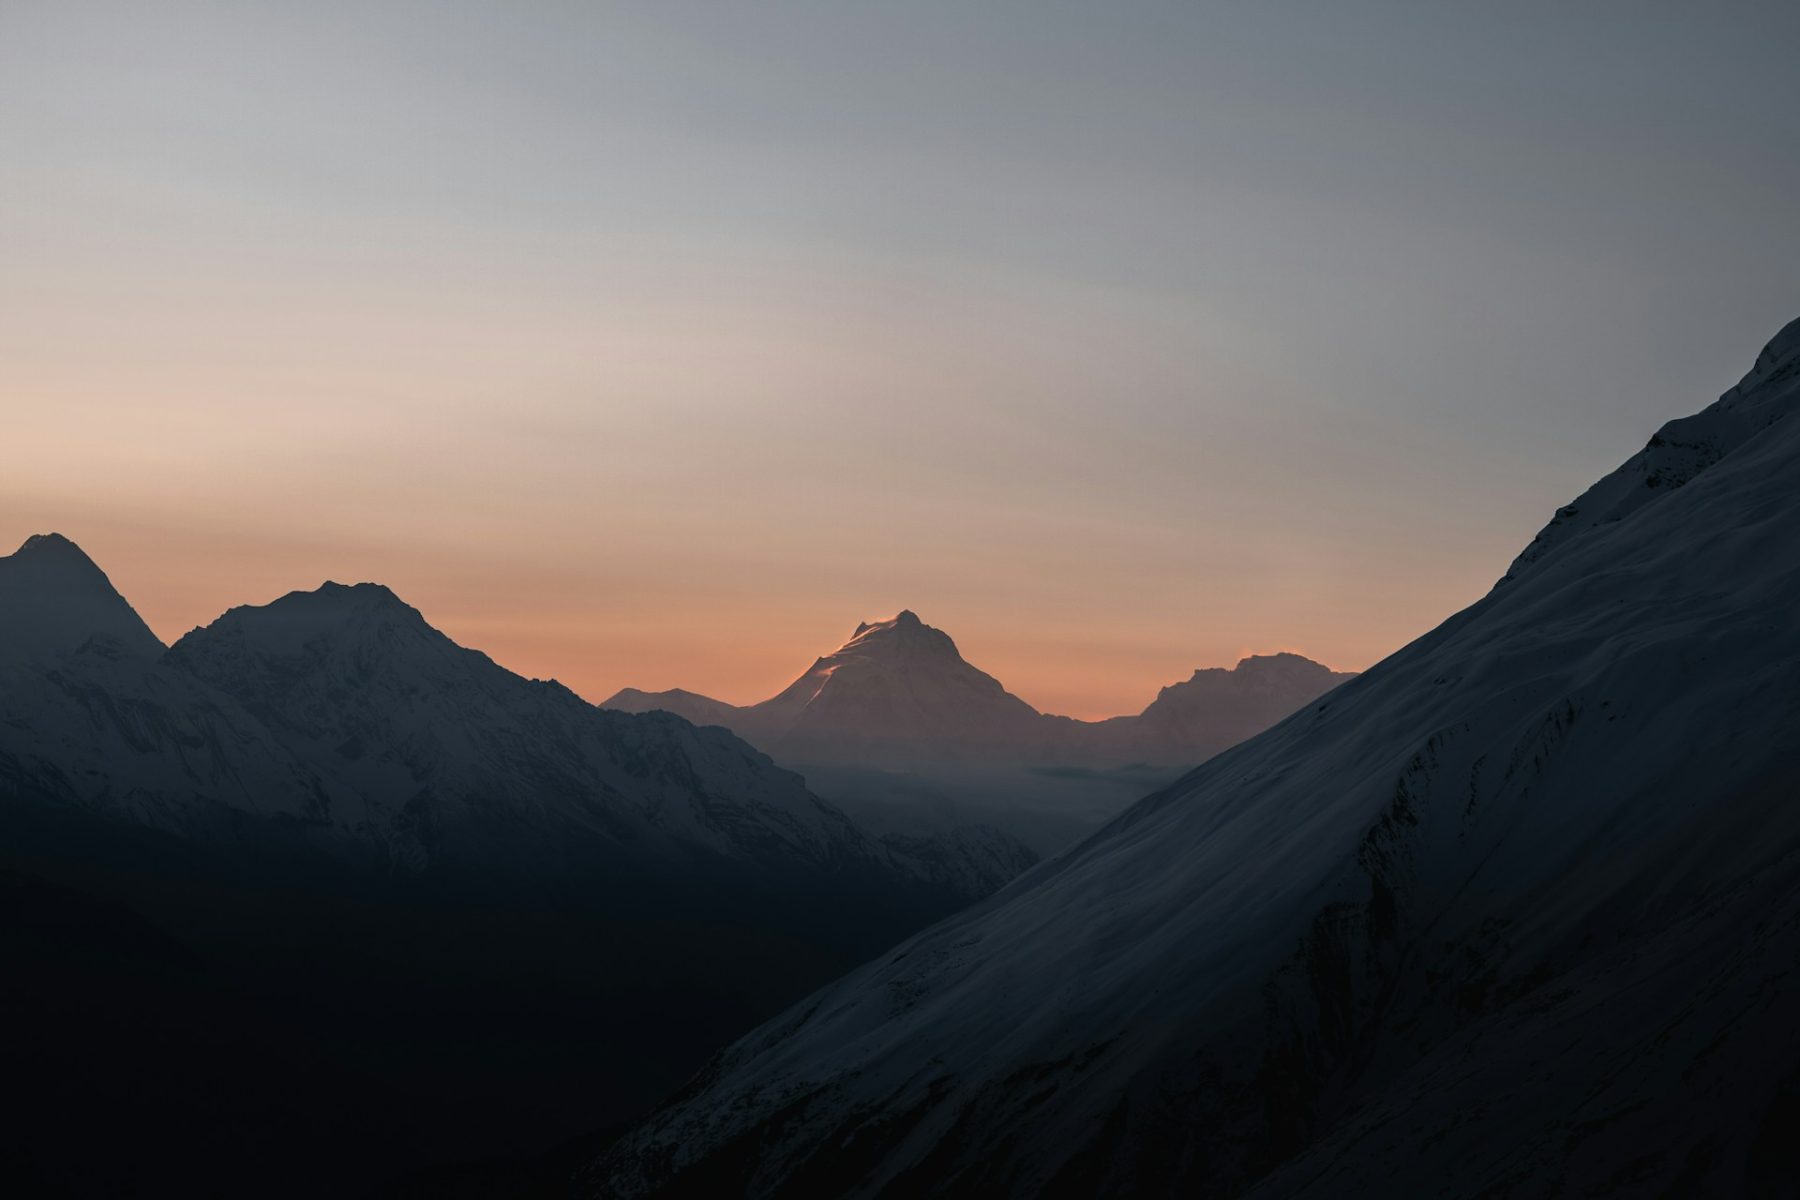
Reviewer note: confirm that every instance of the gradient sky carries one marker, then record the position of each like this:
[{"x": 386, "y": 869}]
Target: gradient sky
[{"x": 660, "y": 344}]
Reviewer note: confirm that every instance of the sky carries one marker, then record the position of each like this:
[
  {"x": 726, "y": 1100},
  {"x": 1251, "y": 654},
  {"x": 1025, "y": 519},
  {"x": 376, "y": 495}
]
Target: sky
[{"x": 660, "y": 344}]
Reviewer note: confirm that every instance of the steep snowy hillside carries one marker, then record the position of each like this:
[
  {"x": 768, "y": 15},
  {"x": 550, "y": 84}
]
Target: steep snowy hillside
[
  {"x": 1512, "y": 914},
  {"x": 439, "y": 754}
]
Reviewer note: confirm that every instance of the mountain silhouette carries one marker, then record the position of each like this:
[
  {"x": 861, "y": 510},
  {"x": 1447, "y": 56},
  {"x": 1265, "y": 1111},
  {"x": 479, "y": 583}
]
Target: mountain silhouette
[
  {"x": 900, "y": 694},
  {"x": 1514, "y": 912},
  {"x": 53, "y": 600},
  {"x": 395, "y": 902},
  {"x": 912, "y": 740}
]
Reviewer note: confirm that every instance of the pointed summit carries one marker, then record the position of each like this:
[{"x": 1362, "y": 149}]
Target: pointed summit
[
  {"x": 55, "y": 600},
  {"x": 51, "y": 543},
  {"x": 895, "y": 687}
]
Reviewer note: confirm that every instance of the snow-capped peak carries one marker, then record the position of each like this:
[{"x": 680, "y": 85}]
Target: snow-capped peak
[
  {"x": 54, "y": 599},
  {"x": 902, "y": 633},
  {"x": 895, "y": 682}
]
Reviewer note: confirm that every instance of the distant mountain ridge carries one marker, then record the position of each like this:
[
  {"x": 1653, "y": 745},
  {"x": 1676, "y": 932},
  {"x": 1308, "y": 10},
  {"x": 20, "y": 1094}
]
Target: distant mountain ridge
[
  {"x": 899, "y": 692},
  {"x": 342, "y": 714}
]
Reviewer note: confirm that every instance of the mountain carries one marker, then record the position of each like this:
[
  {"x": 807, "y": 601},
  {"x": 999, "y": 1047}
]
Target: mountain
[
  {"x": 701, "y": 710},
  {"x": 1514, "y": 913},
  {"x": 1217, "y": 708},
  {"x": 896, "y": 687},
  {"x": 92, "y": 720},
  {"x": 435, "y": 753},
  {"x": 896, "y": 692},
  {"x": 317, "y": 885},
  {"x": 913, "y": 741},
  {"x": 899, "y": 694},
  {"x": 345, "y": 716},
  {"x": 53, "y": 600}
]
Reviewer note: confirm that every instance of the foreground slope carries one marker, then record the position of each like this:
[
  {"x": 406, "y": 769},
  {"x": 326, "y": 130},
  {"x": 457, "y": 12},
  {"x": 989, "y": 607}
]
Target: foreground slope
[{"x": 1513, "y": 913}]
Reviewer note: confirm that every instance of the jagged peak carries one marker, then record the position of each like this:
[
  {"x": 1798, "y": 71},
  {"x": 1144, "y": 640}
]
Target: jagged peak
[
  {"x": 905, "y": 618},
  {"x": 902, "y": 633}
]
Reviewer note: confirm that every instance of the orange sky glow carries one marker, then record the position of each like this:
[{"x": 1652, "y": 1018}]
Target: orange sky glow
[{"x": 659, "y": 347}]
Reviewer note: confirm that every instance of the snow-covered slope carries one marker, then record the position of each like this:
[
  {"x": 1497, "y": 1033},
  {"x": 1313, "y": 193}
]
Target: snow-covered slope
[
  {"x": 1512, "y": 914},
  {"x": 90, "y": 718},
  {"x": 346, "y": 719},
  {"x": 435, "y": 752}
]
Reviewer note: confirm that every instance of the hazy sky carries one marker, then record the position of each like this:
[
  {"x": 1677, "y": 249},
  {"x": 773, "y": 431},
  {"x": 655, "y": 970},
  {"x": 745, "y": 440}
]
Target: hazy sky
[{"x": 660, "y": 344}]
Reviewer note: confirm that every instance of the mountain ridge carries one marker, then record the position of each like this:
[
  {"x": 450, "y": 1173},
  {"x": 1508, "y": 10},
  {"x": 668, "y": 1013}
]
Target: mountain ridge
[{"x": 974, "y": 713}]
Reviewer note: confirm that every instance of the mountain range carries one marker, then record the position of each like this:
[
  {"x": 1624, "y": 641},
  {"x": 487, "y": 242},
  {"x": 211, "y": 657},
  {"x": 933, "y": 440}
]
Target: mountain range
[
  {"x": 345, "y": 719},
  {"x": 899, "y": 693},
  {"x": 320, "y": 835},
  {"x": 912, "y": 740},
  {"x": 1515, "y": 913}
]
